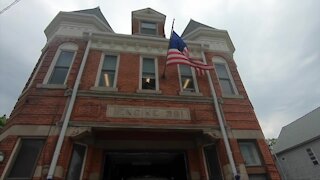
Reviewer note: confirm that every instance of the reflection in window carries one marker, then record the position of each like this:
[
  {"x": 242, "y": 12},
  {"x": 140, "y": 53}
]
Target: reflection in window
[
  {"x": 250, "y": 153},
  {"x": 186, "y": 78},
  {"x": 148, "y": 74},
  {"x": 148, "y": 28},
  {"x": 61, "y": 68},
  {"x": 76, "y": 163},
  {"x": 108, "y": 71},
  {"x": 224, "y": 79},
  {"x": 26, "y": 160}
]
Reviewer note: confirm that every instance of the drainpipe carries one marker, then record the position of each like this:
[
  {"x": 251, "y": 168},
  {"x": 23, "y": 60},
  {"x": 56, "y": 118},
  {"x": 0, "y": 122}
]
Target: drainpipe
[
  {"x": 221, "y": 123},
  {"x": 68, "y": 113}
]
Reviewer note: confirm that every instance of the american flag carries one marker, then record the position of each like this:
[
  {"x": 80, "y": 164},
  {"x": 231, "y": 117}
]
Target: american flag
[{"x": 178, "y": 53}]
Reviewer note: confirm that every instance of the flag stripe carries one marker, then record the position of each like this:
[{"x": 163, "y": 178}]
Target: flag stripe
[{"x": 178, "y": 53}]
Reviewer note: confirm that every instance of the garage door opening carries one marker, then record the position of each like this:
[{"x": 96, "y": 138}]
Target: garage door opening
[{"x": 145, "y": 166}]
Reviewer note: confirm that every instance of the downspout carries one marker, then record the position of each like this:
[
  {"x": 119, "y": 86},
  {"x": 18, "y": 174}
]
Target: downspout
[
  {"x": 68, "y": 113},
  {"x": 221, "y": 123}
]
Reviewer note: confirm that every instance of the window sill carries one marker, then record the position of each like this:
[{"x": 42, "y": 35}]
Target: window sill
[
  {"x": 232, "y": 96},
  {"x": 148, "y": 91},
  {"x": 109, "y": 89},
  {"x": 52, "y": 86},
  {"x": 181, "y": 93}
]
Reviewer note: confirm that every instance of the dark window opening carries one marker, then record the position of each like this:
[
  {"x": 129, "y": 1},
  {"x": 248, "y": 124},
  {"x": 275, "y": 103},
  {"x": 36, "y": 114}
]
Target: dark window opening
[
  {"x": 213, "y": 165},
  {"x": 76, "y": 163},
  {"x": 145, "y": 165},
  {"x": 26, "y": 160}
]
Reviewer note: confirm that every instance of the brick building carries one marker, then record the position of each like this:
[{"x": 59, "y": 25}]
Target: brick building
[{"x": 97, "y": 107}]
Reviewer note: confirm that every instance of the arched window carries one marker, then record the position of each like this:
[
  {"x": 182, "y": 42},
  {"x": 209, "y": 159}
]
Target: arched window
[
  {"x": 61, "y": 64},
  {"x": 226, "y": 82}
]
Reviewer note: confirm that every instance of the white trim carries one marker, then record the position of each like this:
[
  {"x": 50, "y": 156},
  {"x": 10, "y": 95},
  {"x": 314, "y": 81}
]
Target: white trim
[
  {"x": 11, "y": 159},
  {"x": 68, "y": 46},
  {"x": 205, "y": 161},
  {"x": 84, "y": 159},
  {"x": 115, "y": 80},
  {"x": 221, "y": 61},
  {"x": 157, "y": 90}
]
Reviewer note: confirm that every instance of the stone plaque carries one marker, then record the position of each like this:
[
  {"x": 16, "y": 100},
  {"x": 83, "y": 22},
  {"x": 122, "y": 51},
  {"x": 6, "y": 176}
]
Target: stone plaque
[{"x": 119, "y": 111}]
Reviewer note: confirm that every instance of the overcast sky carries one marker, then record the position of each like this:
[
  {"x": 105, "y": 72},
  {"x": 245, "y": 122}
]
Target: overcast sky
[{"x": 277, "y": 46}]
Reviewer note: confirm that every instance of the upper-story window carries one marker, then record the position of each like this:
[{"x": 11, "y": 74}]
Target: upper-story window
[
  {"x": 61, "y": 64},
  {"x": 108, "y": 69},
  {"x": 187, "y": 79},
  {"x": 225, "y": 79},
  {"x": 148, "y": 28},
  {"x": 149, "y": 74},
  {"x": 250, "y": 153}
]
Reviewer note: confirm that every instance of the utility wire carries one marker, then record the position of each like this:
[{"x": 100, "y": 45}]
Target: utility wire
[{"x": 8, "y": 7}]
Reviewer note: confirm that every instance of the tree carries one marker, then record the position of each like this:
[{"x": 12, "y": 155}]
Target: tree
[
  {"x": 271, "y": 142},
  {"x": 3, "y": 121}
]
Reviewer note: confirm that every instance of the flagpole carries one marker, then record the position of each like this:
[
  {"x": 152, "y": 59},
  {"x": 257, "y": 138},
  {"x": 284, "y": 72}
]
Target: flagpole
[
  {"x": 165, "y": 66},
  {"x": 220, "y": 119}
]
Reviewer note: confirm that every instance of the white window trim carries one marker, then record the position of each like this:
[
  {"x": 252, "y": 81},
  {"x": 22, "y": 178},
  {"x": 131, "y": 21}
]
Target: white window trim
[
  {"x": 149, "y": 91},
  {"x": 195, "y": 82},
  {"x": 96, "y": 84},
  {"x": 15, "y": 152},
  {"x": 84, "y": 159},
  {"x": 148, "y": 21},
  {"x": 63, "y": 47},
  {"x": 11, "y": 159},
  {"x": 256, "y": 153},
  {"x": 222, "y": 61}
]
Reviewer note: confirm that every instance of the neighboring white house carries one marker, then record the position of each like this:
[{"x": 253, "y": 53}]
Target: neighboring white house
[{"x": 297, "y": 150}]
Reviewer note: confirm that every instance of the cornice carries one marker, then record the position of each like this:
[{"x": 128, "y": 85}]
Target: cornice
[
  {"x": 141, "y": 96},
  {"x": 211, "y": 34},
  {"x": 71, "y": 18}
]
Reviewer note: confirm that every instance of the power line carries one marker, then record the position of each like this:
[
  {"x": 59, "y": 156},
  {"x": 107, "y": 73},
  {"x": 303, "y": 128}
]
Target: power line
[{"x": 8, "y": 7}]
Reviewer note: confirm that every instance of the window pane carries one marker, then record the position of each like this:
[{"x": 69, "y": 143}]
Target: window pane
[
  {"x": 257, "y": 177},
  {"x": 76, "y": 162},
  {"x": 148, "y": 28},
  {"x": 59, "y": 75},
  {"x": 148, "y": 25},
  {"x": 185, "y": 70},
  {"x": 222, "y": 71},
  {"x": 26, "y": 159},
  {"x": 226, "y": 86},
  {"x": 107, "y": 78},
  {"x": 110, "y": 62},
  {"x": 250, "y": 153},
  {"x": 212, "y": 163},
  {"x": 148, "y": 65},
  {"x": 187, "y": 83},
  {"x": 65, "y": 59}
]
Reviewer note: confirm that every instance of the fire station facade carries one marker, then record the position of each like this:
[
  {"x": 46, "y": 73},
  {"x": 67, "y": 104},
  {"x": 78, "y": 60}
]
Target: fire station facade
[{"x": 98, "y": 107}]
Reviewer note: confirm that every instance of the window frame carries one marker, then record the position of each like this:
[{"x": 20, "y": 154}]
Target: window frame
[
  {"x": 195, "y": 82},
  {"x": 115, "y": 80},
  {"x": 256, "y": 153},
  {"x": 221, "y": 61},
  {"x": 65, "y": 47},
  {"x": 313, "y": 158},
  {"x": 84, "y": 159},
  {"x": 148, "y": 22},
  {"x": 16, "y": 152},
  {"x": 157, "y": 88}
]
